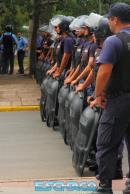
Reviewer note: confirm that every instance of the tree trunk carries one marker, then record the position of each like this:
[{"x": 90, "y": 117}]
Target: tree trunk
[
  {"x": 36, "y": 16},
  {"x": 37, "y": 4}
]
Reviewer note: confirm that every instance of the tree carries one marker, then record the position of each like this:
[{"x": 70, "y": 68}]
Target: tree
[
  {"x": 37, "y": 6},
  {"x": 13, "y": 12},
  {"x": 36, "y": 16}
]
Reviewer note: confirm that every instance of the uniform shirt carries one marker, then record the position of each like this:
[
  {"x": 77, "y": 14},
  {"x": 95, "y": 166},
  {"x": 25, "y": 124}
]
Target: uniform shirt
[
  {"x": 86, "y": 54},
  {"x": 111, "y": 54},
  {"x": 86, "y": 47},
  {"x": 112, "y": 49},
  {"x": 77, "y": 51},
  {"x": 92, "y": 50},
  {"x": 59, "y": 50},
  {"x": 22, "y": 43},
  {"x": 68, "y": 44}
]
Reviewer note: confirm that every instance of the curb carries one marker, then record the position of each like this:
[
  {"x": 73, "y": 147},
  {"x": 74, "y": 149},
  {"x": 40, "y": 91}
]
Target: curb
[{"x": 19, "y": 108}]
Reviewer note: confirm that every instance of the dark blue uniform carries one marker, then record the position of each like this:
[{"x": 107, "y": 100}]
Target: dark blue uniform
[
  {"x": 8, "y": 40},
  {"x": 115, "y": 120}
]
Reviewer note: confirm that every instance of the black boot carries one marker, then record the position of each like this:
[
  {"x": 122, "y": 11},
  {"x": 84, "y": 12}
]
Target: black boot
[
  {"x": 127, "y": 189},
  {"x": 105, "y": 186},
  {"x": 119, "y": 173},
  {"x": 91, "y": 161}
]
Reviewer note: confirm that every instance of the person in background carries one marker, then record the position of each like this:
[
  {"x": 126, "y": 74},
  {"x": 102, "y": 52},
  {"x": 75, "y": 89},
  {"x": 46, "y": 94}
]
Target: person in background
[
  {"x": 22, "y": 45},
  {"x": 8, "y": 40}
]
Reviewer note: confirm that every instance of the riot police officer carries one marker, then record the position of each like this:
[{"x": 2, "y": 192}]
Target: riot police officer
[
  {"x": 8, "y": 40},
  {"x": 66, "y": 47},
  {"x": 113, "y": 80}
]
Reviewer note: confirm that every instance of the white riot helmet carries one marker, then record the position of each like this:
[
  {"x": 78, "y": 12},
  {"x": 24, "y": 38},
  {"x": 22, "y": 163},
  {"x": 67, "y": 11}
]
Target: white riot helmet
[
  {"x": 44, "y": 28},
  {"x": 94, "y": 19},
  {"x": 56, "y": 20},
  {"x": 92, "y": 22},
  {"x": 81, "y": 21}
]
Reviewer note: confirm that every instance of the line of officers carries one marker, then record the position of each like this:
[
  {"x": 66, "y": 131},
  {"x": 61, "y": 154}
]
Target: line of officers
[{"x": 85, "y": 89}]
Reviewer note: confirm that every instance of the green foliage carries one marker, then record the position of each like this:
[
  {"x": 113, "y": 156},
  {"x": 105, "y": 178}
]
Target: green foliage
[
  {"x": 17, "y": 12},
  {"x": 81, "y": 7}
]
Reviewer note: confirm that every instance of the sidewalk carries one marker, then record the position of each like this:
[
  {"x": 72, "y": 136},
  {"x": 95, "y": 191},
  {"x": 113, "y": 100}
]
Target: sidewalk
[
  {"x": 27, "y": 187},
  {"x": 18, "y": 90}
]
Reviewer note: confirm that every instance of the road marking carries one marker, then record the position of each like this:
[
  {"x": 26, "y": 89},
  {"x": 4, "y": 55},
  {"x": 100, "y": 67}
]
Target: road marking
[{"x": 18, "y": 108}]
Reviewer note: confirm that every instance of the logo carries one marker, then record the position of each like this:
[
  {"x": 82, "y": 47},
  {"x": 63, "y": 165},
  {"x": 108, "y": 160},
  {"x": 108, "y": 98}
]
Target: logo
[{"x": 64, "y": 186}]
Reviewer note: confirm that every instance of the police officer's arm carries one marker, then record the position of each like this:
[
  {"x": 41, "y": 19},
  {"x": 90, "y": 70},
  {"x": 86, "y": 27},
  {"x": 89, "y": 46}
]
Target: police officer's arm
[
  {"x": 86, "y": 71},
  {"x": 111, "y": 51},
  {"x": 103, "y": 77},
  {"x": 102, "y": 80},
  {"x": 52, "y": 70},
  {"x": 50, "y": 55},
  {"x": 64, "y": 61},
  {"x": 74, "y": 75},
  {"x": 72, "y": 70},
  {"x": 63, "y": 64},
  {"x": 69, "y": 72},
  {"x": 86, "y": 83},
  {"x": 90, "y": 63}
]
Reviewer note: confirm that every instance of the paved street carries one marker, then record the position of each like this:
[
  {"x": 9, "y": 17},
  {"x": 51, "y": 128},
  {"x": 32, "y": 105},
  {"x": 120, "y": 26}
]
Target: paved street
[{"x": 31, "y": 151}]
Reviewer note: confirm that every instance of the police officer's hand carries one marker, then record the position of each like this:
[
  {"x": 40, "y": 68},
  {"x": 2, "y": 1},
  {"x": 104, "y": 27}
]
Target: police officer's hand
[
  {"x": 67, "y": 73},
  {"x": 51, "y": 61},
  {"x": 57, "y": 74},
  {"x": 49, "y": 72},
  {"x": 67, "y": 81},
  {"x": 80, "y": 87},
  {"x": 74, "y": 82},
  {"x": 89, "y": 99},
  {"x": 99, "y": 101}
]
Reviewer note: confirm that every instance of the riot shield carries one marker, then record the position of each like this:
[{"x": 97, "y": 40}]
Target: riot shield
[
  {"x": 44, "y": 87},
  {"x": 38, "y": 73},
  {"x": 67, "y": 136},
  {"x": 44, "y": 68},
  {"x": 63, "y": 93},
  {"x": 52, "y": 92},
  {"x": 76, "y": 108},
  {"x": 48, "y": 101},
  {"x": 87, "y": 128}
]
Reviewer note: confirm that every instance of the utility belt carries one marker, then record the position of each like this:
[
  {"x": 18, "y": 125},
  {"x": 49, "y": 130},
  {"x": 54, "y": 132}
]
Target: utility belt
[{"x": 116, "y": 94}]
